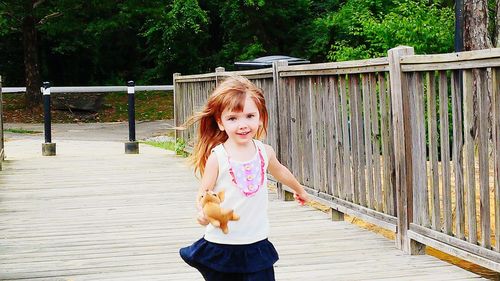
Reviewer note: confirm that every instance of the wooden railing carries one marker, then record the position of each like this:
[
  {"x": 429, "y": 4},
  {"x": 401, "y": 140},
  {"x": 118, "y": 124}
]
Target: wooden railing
[
  {"x": 335, "y": 135},
  {"x": 361, "y": 136},
  {"x": 91, "y": 89},
  {"x": 454, "y": 148}
]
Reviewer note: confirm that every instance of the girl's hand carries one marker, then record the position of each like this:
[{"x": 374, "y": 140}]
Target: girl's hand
[
  {"x": 202, "y": 220},
  {"x": 301, "y": 197}
]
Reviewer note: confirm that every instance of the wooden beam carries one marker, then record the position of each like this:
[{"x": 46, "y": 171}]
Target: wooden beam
[
  {"x": 402, "y": 145},
  {"x": 452, "y": 57}
]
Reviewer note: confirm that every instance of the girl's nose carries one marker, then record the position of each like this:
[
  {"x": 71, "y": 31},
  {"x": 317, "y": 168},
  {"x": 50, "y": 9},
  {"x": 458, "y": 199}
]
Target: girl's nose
[{"x": 242, "y": 125}]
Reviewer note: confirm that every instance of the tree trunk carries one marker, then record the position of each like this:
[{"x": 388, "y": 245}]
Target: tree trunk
[
  {"x": 476, "y": 38},
  {"x": 476, "y": 25},
  {"x": 33, "y": 95}
]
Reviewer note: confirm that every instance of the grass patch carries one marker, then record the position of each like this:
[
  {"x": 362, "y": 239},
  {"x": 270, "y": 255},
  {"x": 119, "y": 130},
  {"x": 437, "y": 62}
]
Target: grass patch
[
  {"x": 149, "y": 106},
  {"x": 21, "y": 131},
  {"x": 177, "y": 147},
  {"x": 167, "y": 145}
]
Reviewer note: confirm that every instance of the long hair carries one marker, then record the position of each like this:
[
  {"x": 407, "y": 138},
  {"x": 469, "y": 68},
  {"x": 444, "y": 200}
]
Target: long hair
[{"x": 229, "y": 95}]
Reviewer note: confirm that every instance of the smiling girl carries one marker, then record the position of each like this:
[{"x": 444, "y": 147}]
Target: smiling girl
[{"x": 230, "y": 157}]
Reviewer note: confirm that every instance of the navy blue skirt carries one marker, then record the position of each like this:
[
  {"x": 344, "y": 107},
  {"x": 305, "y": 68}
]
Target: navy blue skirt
[{"x": 209, "y": 258}]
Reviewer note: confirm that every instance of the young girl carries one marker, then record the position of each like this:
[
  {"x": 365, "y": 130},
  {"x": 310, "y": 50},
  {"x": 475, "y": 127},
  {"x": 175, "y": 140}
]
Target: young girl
[{"x": 229, "y": 157}]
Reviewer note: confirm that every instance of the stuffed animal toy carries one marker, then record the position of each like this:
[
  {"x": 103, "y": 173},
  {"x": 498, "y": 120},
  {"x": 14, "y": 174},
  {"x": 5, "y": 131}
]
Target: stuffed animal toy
[{"x": 217, "y": 216}]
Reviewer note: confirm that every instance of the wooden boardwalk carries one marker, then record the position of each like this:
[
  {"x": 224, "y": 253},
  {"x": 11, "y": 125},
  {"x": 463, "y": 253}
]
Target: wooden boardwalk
[{"x": 94, "y": 213}]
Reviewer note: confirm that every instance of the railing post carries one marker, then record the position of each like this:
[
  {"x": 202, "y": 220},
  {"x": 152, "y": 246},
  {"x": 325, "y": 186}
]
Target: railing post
[
  {"x": 132, "y": 146},
  {"x": 402, "y": 150},
  {"x": 48, "y": 148},
  {"x": 283, "y": 194},
  {"x": 176, "y": 110},
  {"x": 218, "y": 70}
]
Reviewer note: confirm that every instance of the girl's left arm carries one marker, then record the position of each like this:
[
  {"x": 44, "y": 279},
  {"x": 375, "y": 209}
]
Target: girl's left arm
[{"x": 282, "y": 174}]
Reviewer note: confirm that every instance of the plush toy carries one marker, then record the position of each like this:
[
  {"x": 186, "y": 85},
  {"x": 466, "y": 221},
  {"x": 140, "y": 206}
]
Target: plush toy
[{"x": 217, "y": 216}]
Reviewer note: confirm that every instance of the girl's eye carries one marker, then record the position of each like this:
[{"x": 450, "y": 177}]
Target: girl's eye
[
  {"x": 250, "y": 115},
  {"x": 231, "y": 118}
]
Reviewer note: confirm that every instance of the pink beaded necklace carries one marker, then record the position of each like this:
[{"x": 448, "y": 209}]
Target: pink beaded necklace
[{"x": 248, "y": 176}]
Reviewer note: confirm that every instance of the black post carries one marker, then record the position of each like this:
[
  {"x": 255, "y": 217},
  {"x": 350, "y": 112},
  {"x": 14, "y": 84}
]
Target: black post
[
  {"x": 47, "y": 118},
  {"x": 131, "y": 110},
  {"x": 48, "y": 148},
  {"x": 132, "y": 146}
]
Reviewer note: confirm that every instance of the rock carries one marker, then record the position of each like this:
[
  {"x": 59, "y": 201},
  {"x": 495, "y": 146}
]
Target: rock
[{"x": 77, "y": 101}]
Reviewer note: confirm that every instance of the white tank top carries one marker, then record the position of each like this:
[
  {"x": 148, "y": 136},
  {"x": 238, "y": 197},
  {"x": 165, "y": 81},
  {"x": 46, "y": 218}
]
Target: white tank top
[{"x": 251, "y": 206}]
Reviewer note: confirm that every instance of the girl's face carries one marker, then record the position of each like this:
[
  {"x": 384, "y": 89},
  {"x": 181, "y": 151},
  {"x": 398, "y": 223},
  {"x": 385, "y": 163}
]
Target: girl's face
[{"x": 241, "y": 127}]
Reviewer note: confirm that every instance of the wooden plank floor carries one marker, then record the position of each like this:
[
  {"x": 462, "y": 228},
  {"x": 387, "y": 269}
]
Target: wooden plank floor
[{"x": 94, "y": 213}]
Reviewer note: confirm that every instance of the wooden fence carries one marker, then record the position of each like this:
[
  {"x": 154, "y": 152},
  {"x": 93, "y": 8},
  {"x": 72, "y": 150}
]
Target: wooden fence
[
  {"x": 454, "y": 148},
  {"x": 363, "y": 138}
]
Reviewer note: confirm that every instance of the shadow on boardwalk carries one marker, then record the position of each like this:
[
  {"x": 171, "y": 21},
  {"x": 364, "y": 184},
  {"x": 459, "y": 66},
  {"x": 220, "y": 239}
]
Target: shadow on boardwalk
[{"x": 94, "y": 213}]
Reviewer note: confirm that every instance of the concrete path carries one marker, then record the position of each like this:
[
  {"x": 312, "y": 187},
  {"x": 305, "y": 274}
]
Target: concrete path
[
  {"x": 94, "y": 213},
  {"x": 111, "y": 131}
]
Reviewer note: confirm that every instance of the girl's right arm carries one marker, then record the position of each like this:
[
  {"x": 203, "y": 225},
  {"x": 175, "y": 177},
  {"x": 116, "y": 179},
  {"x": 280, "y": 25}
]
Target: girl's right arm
[{"x": 208, "y": 181}]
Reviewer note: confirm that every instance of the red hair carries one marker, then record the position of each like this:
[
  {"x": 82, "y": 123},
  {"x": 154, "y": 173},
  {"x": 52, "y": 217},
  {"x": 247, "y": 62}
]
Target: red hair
[{"x": 229, "y": 95}]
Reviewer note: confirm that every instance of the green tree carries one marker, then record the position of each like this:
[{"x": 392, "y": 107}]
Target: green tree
[
  {"x": 99, "y": 42},
  {"x": 246, "y": 29},
  {"x": 176, "y": 39},
  {"x": 79, "y": 42},
  {"x": 371, "y": 32},
  {"x": 108, "y": 42},
  {"x": 315, "y": 33},
  {"x": 20, "y": 17}
]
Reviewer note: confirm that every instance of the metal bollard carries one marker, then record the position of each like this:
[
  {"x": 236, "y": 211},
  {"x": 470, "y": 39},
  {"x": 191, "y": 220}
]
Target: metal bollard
[
  {"x": 132, "y": 146},
  {"x": 48, "y": 148}
]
